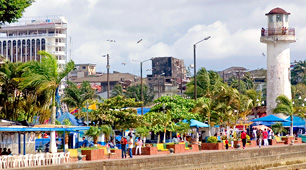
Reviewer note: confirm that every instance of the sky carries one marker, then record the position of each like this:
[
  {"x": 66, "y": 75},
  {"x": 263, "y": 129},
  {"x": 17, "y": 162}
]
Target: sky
[{"x": 170, "y": 28}]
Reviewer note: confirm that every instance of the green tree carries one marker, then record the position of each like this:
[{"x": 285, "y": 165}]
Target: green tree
[
  {"x": 107, "y": 131},
  {"x": 75, "y": 96},
  {"x": 46, "y": 75},
  {"x": 298, "y": 73},
  {"x": 207, "y": 82},
  {"x": 285, "y": 106},
  {"x": 94, "y": 132},
  {"x": 10, "y": 96},
  {"x": 117, "y": 90},
  {"x": 278, "y": 128},
  {"x": 183, "y": 128},
  {"x": 135, "y": 92},
  {"x": 11, "y": 10}
]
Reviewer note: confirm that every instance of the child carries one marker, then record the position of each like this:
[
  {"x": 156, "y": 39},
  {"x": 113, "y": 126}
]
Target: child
[
  {"x": 232, "y": 142},
  {"x": 226, "y": 144}
]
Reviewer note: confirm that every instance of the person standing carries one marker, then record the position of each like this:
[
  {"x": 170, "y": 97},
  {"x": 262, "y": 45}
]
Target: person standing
[
  {"x": 130, "y": 146},
  {"x": 259, "y": 137},
  {"x": 255, "y": 134},
  {"x": 243, "y": 138},
  {"x": 85, "y": 142},
  {"x": 232, "y": 141},
  {"x": 265, "y": 137},
  {"x": 226, "y": 144},
  {"x": 123, "y": 143},
  {"x": 139, "y": 146}
]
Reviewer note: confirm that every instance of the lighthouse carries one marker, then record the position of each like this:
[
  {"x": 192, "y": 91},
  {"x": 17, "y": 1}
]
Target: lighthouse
[{"x": 277, "y": 36}]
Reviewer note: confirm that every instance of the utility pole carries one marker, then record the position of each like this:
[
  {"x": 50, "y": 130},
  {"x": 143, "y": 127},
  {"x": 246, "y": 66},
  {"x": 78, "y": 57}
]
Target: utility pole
[
  {"x": 141, "y": 88},
  {"x": 107, "y": 66}
]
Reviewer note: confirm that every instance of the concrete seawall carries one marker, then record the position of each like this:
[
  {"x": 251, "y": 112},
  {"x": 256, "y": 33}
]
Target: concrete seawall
[{"x": 253, "y": 158}]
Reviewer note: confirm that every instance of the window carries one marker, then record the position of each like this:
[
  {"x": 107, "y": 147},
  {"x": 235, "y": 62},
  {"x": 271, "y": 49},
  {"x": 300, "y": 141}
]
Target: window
[
  {"x": 83, "y": 67},
  {"x": 286, "y": 18},
  {"x": 279, "y": 18}
]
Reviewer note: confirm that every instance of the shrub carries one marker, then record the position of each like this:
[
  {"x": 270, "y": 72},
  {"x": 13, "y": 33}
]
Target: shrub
[
  {"x": 212, "y": 139},
  {"x": 223, "y": 137}
]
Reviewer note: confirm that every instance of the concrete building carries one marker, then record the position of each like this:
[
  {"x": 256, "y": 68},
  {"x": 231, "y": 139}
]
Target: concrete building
[
  {"x": 21, "y": 41},
  {"x": 125, "y": 79},
  {"x": 277, "y": 36},
  {"x": 168, "y": 76},
  {"x": 82, "y": 70},
  {"x": 232, "y": 72}
]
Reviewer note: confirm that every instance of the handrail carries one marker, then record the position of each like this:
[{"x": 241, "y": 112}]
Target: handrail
[{"x": 277, "y": 31}]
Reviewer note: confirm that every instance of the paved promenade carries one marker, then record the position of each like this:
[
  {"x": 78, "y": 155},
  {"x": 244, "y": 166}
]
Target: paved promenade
[{"x": 249, "y": 158}]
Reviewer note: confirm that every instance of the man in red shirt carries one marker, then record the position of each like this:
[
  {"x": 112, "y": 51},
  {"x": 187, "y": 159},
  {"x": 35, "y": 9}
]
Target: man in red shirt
[
  {"x": 265, "y": 137},
  {"x": 243, "y": 138}
]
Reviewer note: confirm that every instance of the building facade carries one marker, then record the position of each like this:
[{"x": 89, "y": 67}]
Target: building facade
[
  {"x": 168, "y": 76},
  {"x": 20, "y": 42},
  {"x": 82, "y": 70}
]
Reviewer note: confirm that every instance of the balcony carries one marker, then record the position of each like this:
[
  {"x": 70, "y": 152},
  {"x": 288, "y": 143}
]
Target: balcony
[
  {"x": 277, "y": 31},
  {"x": 277, "y": 35},
  {"x": 32, "y": 35}
]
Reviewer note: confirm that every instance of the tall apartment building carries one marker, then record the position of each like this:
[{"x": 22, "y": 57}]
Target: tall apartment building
[
  {"x": 168, "y": 75},
  {"x": 21, "y": 41}
]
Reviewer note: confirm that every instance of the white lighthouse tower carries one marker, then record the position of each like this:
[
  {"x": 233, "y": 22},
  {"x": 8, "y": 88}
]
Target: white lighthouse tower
[{"x": 277, "y": 36}]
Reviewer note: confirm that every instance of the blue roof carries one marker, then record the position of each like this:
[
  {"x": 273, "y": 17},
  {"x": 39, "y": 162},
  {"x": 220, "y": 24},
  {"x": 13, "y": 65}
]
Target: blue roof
[
  {"x": 270, "y": 118},
  {"x": 145, "y": 110},
  {"x": 70, "y": 117},
  {"x": 43, "y": 129},
  {"x": 297, "y": 122},
  {"x": 195, "y": 123}
]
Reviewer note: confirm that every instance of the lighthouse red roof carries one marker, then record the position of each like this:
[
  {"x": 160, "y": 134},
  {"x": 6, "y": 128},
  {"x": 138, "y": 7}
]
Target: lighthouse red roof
[{"x": 278, "y": 11}]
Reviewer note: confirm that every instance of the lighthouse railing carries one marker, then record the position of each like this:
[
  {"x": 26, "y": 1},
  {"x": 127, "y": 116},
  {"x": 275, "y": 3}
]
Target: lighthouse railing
[{"x": 277, "y": 31}]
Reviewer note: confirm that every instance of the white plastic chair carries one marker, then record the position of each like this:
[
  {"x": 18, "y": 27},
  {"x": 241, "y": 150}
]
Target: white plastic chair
[
  {"x": 10, "y": 161},
  {"x": 48, "y": 157},
  {"x": 41, "y": 159},
  {"x": 35, "y": 160},
  {"x": 4, "y": 162},
  {"x": 67, "y": 157},
  {"x": 54, "y": 158},
  {"x": 30, "y": 160},
  {"x": 18, "y": 160},
  {"x": 61, "y": 157},
  {"x": 25, "y": 160}
]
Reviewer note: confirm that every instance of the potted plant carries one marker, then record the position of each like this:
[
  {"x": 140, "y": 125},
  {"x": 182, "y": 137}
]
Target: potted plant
[
  {"x": 93, "y": 153},
  {"x": 94, "y": 132}
]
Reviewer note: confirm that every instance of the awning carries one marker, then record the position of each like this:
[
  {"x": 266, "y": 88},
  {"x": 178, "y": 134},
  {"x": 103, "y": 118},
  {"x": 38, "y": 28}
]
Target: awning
[
  {"x": 195, "y": 123},
  {"x": 270, "y": 118},
  {"x": 41, "y": 128},
  {"x": 297, "y": 122}
]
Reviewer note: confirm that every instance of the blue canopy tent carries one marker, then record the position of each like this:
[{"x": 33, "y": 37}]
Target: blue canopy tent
[
  {"x": 145, "y": 110},
  {"x": 270, "y": 118},
  {"x": 297, "y": 122},
  {"x": 71, "y": 118},
  {"x": 195, "y": 123}
]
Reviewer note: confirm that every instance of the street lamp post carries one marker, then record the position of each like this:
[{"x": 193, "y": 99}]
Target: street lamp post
[
  {"x": 87, "y": 105},
  {"x": 195, "y": 66},
  {"x": 141, "y": 83},
  {"x": 107, "y": 66}
]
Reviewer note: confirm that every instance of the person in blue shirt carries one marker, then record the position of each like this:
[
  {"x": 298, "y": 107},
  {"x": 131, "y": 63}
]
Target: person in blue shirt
[{"x": 85, "y": 142}]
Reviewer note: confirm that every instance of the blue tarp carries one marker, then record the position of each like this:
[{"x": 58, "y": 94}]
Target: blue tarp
[
  {"x": 297, "y": 122},
  {"x": 145, "y": 110},
  {"x": 270, "y": 118},
  {"x": 70, "y": 117},
  {"x": 195, "y": 123},
  {"x": 42, "y": 129}
]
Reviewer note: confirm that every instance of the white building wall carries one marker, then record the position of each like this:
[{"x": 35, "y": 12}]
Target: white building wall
[{"x": 278, "y": 72}]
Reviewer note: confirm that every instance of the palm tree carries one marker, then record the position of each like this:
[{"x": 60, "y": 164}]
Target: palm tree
[
  {"x": 117, "y": 90},
  {"x": 107, "y": 131},
  {"x": 77, "y": 97},
  {"x": 245, "y": 108},
  {"x": 278, "y": 128},
  {"x": 47, "y": 76},
  {"x": 285, "y": 106}
]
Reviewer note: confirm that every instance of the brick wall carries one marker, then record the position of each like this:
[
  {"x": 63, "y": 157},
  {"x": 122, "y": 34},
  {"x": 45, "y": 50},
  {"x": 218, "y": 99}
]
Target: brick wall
[{"x": 227, "y": 159}]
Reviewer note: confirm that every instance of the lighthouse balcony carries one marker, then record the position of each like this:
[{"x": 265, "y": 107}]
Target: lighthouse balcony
[
  {"x": 277, "y": 31},
  {"x": 269, "y": 35}
]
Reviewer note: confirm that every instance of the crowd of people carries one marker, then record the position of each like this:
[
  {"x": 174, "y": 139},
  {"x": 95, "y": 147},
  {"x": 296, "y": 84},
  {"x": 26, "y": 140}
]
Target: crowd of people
[{"x": 5, "y": 151}]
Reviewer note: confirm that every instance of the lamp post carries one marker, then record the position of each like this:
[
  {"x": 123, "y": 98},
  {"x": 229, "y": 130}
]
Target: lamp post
[
  {"x": 87, "y": 105},
  {"x": 107, "y": 66},
  {"x": 195, "y": 66},
  {"x": 141, "y": 83}
]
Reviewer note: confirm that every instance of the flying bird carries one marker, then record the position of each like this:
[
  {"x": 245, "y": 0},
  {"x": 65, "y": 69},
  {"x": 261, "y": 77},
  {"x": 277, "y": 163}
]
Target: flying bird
[{"x": 139, "y": 41}]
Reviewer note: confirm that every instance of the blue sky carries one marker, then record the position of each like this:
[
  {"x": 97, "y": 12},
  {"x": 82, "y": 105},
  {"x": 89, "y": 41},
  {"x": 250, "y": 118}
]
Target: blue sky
[{"x": 170, "y": 28}]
